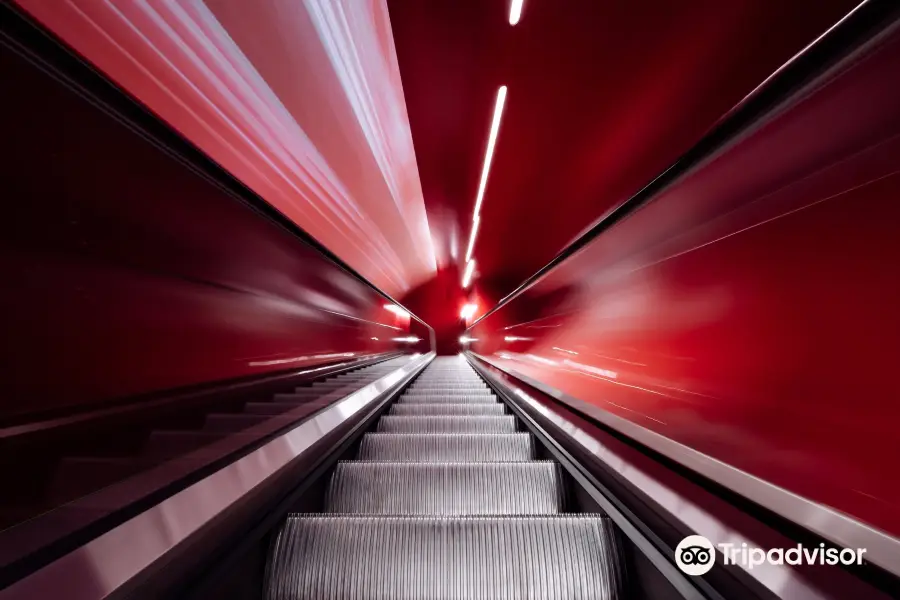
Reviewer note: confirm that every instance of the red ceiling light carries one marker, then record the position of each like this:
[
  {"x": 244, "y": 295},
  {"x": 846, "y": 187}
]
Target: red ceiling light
[{"x": 515, "y": 11}]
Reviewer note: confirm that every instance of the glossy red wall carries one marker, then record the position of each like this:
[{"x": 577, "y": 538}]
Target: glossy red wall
[
  {"x": 299, "y": 102},
  {"x": 750, "y": 310},
  {"x": 127, "y": 271}
]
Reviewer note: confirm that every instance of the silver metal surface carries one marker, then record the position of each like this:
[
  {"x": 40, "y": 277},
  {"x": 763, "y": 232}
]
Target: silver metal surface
[
  {"x": 456, "y": 459},
  {"x": 318, "y": 558},
  {"x": 486, "y": 424},
  {"x": 448, "y": 398},
  {"x": 448, "y": 447},
  {"x": 446, "y": 409},
  {"x": 450, "y": 391},
  {"x": 411, "y": 488},
  {"x": 111, "y": 561}
]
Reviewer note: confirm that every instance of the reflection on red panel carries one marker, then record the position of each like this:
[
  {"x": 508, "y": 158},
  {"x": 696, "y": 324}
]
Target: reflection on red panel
[
  {"x": 127, "y": 272},
  {"x": 602, "y": 96},
  {"x": 750, "y": 311},
  {"x": 302, "y": 104}
]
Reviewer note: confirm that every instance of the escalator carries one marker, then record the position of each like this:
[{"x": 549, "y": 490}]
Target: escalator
[
  {"x": 193, "y": 430},
  {"x": 437, "y": 479},
  {"x": 448, "y": 498}
]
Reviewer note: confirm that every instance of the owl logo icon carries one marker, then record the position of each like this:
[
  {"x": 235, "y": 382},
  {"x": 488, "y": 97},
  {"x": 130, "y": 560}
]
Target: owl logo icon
[{"x": 695, "y": 555}]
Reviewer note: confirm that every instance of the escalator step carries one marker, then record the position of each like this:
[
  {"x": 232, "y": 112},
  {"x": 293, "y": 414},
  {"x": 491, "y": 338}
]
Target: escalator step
[
  {"x": 550, "y": 558},
  {"x": 447, "y": 398},
  {"x": 469, "y": 391},
  {"x": 472, "y": 390},
  {"x": 474, "y": 382},
  {"x": 422, "y": 408},
  {"x": 489, "y": 424},
  {"x": 436, "y": 447},
  {"x": 408, "y": 488}
]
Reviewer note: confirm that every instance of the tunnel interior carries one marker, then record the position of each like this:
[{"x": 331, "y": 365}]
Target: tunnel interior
[{"x": 610, "y": 275}]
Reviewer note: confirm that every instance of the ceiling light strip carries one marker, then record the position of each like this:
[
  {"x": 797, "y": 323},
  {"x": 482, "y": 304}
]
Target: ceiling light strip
[
  {"x": 485, "y": 170},
  {"x": 515, "y": 11},
  {"x": 475, "y": 222},
  {"x": 492, "y": 141},
  {"x": 467, "y": 277}
]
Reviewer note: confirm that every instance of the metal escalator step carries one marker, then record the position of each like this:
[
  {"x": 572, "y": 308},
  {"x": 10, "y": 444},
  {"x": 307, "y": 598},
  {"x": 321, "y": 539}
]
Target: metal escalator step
[
  {"x": 428, "y": 391},
  {"x": 447, "y": 409},
  {"x": 429, "y": 388},
  {"x": 449, "y": 386},
  {"x": 449, "y": 390},
  {"x": 451, "y": 379},
  {"x": 447, "y": 399},
  {"x": 451, "y": 558},
  {"x": 488, "y": 424},
  {"x": 447, "y": 447},
  {"x": 409, "y": 488}
]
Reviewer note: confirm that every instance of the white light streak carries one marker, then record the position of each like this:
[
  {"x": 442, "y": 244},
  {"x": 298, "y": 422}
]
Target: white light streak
[
  {"x": 396, "y": 310},
  {"x": 564, "y": 350},
  {"x": 485, "y": 170},
  {"x": 476, "y": 220},
  {"x": 515, "y": 11},
  {"x": 467, "y": 276}
]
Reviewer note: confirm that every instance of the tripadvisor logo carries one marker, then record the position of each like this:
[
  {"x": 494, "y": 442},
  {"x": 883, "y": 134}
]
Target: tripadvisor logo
[{"x": 696, "y": 555}]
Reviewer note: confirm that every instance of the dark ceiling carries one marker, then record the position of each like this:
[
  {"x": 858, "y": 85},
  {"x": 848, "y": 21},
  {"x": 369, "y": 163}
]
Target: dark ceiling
[{"x": 603, "y": 96}]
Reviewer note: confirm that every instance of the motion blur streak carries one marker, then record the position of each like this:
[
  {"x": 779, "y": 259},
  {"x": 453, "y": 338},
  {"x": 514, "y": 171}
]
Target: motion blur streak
[
  {"x": 302, "y": 101},
  {"x": 749, "y": 311},
  {"x": 128, "y": 272}
]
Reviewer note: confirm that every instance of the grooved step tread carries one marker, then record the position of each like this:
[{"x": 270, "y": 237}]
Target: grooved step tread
[
  {"x": 484, "y": 424},
  {"x": 449, "y": 390},
  {"x": 551, "y": 558},
  {"x": 447, "y": 398},
  {"x": 451, "y": 447},
  {"x": 447, "y": 409},
  {"x": 408, "y": 488}
]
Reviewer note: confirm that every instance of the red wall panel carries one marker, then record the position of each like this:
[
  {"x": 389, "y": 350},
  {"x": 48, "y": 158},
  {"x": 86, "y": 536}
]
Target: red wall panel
[
  {"x": 301, "y": 103},
  {"x": 126, "y": 271},
  {"x": 750, "y": 310}
]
